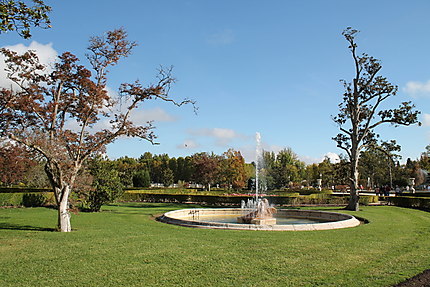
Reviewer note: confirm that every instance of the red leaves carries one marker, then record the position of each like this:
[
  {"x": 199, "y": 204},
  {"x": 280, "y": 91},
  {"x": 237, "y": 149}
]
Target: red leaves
[{"x": 55, "y": 112}]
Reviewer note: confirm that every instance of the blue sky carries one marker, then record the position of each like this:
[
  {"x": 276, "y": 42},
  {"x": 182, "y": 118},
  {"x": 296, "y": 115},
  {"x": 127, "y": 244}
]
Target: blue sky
[{"x": 252, "y": 66}]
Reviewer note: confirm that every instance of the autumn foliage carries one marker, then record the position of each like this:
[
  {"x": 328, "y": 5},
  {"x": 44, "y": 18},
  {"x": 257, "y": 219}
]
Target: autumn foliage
[{"x": 54, "y": 112}]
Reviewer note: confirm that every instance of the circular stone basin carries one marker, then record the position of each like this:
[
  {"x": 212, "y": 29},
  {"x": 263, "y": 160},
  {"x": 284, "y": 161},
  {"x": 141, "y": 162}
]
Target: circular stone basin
[{"x": 287, "y": 220}]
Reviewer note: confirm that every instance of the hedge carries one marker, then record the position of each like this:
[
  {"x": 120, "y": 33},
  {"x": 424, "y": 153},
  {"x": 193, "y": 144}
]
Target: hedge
[
  {"x": 23, "y": 190},
  {"x": 27, "y": 199},
  {"x": 410, "y": 202},
  {"x": 293, "y": 199}
]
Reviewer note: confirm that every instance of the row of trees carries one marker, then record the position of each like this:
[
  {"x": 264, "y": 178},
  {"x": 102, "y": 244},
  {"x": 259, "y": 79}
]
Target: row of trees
[
  {"x": 377, "y": 167},
  {"x": 227, "y": 170}
]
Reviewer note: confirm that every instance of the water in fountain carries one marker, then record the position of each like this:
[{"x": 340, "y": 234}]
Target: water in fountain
[{"x": 258, "y": 210}]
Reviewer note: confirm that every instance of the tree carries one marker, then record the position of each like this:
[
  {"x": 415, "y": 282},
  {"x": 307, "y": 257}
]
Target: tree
[
  {"x": 286, "y": 168},
  {"x": 106, "y": 185},
  {"x": 377, "y": 162},
  {"x": 206, "y": 168},
  {"x": 35, "y": 114},
  {"x": 327, "y": 173},
  {"x": 18, "y": 16},
  {"x": 425, "y": 159},
  {"x": 360, "y": 112},
  {"x": 234, "y": 169},
  {"x": 141, "y": 178},
  {"x": 167, "y": 177}
]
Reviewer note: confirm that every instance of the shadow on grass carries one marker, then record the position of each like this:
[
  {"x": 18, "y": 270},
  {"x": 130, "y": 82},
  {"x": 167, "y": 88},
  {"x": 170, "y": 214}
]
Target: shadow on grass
[{"x": 24, "y": 227}]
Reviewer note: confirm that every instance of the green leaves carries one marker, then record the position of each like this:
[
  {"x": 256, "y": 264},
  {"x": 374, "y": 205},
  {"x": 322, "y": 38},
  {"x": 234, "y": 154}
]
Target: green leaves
[{"x": 18, "y": 16}]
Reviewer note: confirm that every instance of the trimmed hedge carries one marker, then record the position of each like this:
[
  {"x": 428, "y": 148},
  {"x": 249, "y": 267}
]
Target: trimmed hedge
[
  {"x": 27, "y": 199},
  {"x": 410, "y": 202},
  {"x": 22, "y": 189},
  {"x": 294, "y": 199},
  {"x": 367, "y": 199},
  {"x": 417, "y": 194}
]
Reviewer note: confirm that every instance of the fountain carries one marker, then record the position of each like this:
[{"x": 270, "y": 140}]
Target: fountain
[
  {"x": 258, "y": 211},
  {"x": 261, "y": 213},
  {"x": 258, "y": 214}
]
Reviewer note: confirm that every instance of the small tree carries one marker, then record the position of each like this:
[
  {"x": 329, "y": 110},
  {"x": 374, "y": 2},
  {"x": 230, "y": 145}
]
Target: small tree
[
  {"x": 360, "y": 111},
  {"x": 18, "y": 16},
  {"x": 206, "y": 168},
  {"x": 141, "y": 178},
  {"x": 39, "y": 113},
  {"x": 106, "y": 185},
  {"x": 167, "y": 177},
  {"x": 233, "y": 169}
]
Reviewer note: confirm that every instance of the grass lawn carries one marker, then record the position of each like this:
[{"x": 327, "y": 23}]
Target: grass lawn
[{"x": 124, "y": 246}]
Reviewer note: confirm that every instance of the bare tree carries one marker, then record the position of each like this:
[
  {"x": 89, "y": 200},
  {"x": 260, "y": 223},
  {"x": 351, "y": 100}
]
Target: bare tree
[
  {"x": 39, "y": 113},
  {"x": 360, "y": 111}
]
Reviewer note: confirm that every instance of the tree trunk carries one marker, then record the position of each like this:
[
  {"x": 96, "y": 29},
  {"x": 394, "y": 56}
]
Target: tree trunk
[
  {"x": 63, "y": 212},
  {"x": 353, "y": 202},
  {"x": 61, "y": 193},
  {"x": 354, "y": 198}
]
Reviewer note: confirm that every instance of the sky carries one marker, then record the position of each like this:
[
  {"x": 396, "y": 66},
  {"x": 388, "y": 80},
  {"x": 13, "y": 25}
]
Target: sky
[{"x": 271, "y": 67}]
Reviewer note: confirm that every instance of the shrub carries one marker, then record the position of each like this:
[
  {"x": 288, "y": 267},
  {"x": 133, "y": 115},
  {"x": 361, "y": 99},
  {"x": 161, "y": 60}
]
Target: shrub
[
  {"x": 142, "y": 178},
  {"x": 106, "y": 186},
  {"x": 11, "y": 199},
  {"x": 27, "y": 199},
  {"x": 367, "y": 199},
  {"x": 33, "y": 199}
]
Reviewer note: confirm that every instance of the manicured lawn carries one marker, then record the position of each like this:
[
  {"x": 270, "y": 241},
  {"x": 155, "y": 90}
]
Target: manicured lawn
[{"x": 123, "y": 246}]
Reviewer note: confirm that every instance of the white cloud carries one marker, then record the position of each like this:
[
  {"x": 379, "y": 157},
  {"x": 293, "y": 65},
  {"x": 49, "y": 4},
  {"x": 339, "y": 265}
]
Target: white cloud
[
  {"x": 140, "y": 117},
  {"x": 222, "y": 136},
  {"x": 47, "y": 55},
  {"x": 188, "y": 144},
  {"x": 334, "y": 157},
  {"x": 156, "y": 114},
  {"x": 223, "y": 37},
  {"x": 417, "y": 89},
  {"x": 426, "y": 120}
]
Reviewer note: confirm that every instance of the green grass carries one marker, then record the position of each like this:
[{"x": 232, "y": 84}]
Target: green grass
[{"x": 123, "y": 246}]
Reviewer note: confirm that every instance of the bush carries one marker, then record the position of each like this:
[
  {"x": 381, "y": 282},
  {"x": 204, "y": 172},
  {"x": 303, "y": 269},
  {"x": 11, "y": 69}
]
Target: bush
[
  {"x": 106, "y": 186},
  {"x": 33, "y": 199},
  {"x": 11, "y": 199},
  {"x": 367, "y": 199},
  {"x": 27, "y": 199},
  {"x": 142, "y": 178}
]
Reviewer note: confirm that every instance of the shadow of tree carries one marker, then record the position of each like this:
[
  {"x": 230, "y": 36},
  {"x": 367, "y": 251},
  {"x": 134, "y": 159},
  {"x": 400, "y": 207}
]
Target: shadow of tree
[{"x": 10, "y": 226}]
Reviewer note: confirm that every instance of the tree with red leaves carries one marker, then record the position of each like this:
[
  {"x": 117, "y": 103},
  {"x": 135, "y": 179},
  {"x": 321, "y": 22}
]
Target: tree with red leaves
[
  {"x": 15, "y": 162},
  {"x": 40, "y": 111},
  {"x": 206, "y": 168}
]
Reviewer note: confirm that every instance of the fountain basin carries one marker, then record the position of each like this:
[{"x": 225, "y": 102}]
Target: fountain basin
[{"x": 215, "y": 219}]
